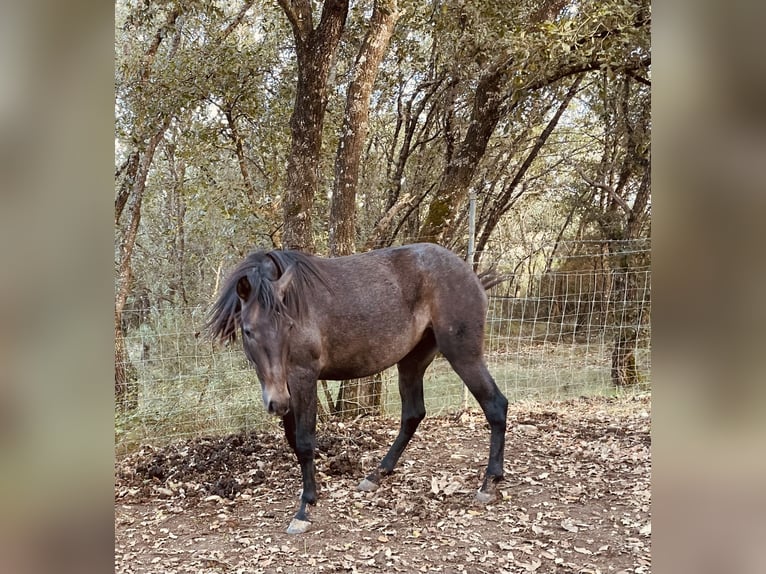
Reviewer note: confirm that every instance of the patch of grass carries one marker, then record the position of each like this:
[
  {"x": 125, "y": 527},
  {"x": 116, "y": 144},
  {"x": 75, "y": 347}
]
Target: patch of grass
[
  {"x": 537, "y": 374},
  {"x": 187, "y": 388},
  {"x": 191, "y": 398}
]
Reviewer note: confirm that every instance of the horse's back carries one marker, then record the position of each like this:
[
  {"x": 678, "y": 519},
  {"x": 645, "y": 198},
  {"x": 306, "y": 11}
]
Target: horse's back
[
  {"x": 450, "y": 279},
  {"x": 416, "y": 271},
  {"x": 383, "y": 302},
  {"x": 426, "y": 280}
]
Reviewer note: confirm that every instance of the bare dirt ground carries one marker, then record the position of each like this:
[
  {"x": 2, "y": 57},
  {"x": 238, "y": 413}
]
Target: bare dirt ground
[{"x": 576, "y": 498}]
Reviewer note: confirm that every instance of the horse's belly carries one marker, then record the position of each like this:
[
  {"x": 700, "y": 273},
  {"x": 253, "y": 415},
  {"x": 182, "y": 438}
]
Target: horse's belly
[
  {"x": 342, "y": 374},
  {"x": 361, "y": 353},
  {"x": 362, "y": 362}
]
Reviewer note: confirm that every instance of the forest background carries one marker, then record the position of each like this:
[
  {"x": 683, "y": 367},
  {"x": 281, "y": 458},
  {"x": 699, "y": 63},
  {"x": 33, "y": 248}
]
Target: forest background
[{"x": 337, "y": 127}]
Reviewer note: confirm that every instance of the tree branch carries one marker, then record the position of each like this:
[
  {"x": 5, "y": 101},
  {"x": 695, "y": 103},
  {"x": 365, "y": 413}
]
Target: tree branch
[
  {"x": 298, "y": 13},
  {"x": 639, "y": 79},
  {"x": 236, "y": 21},
  {"x": 608, "y": 189},
  {"x": 151, "y": 52}
]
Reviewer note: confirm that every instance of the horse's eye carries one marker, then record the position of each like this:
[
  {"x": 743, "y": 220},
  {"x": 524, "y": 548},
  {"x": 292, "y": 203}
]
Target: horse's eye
[{"x": 248, "y": 333}]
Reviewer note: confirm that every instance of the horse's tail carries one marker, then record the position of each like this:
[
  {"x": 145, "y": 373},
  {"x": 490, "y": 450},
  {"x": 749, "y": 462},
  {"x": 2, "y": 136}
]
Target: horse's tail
[{"x": 490, "y": 277}]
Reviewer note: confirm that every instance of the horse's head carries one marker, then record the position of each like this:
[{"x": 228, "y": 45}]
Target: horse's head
[
  {"x": 265, "y": 325},
  {"x": 263, "y": 297}
]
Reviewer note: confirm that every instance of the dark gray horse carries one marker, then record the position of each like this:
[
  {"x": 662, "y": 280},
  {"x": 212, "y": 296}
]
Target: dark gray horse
[{"x": 303, "y": 318}]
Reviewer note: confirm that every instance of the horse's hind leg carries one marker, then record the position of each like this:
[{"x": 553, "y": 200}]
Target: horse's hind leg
[
  {"x": 476, "y": 376},
  {"x": 411, "y": 369}
]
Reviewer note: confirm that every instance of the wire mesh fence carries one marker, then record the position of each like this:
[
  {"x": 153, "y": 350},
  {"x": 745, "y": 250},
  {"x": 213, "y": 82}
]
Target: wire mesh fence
[{"x": 571, "y": 321}]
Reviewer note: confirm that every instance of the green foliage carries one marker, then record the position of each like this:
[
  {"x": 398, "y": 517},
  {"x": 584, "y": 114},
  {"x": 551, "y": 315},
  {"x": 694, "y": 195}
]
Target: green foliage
[{"x": 251, "y": 74}]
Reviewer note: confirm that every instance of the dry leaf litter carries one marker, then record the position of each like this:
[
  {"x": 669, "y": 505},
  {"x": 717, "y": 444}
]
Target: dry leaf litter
[{"x": 575, "y": 499}]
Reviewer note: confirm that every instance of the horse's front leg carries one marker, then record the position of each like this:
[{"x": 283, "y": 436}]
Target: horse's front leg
[{"x": 300, "y": 429}]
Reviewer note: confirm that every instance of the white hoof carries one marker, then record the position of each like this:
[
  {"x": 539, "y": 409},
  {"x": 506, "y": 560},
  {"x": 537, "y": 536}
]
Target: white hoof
[
  {"x": 484, "y": 497},
  {"x": 367, "y": 486},
  {"x": 298, "y": 526}
]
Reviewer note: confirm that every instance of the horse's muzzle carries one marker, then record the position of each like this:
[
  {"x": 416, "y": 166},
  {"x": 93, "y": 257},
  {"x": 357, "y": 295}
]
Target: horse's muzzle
[
  {"x": 276, "y": 399},
  {"x": 277, "y": 408}
]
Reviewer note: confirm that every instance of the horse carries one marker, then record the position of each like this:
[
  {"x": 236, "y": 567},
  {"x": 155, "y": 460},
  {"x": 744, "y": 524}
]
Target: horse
[{"x": 303, "y": 318}]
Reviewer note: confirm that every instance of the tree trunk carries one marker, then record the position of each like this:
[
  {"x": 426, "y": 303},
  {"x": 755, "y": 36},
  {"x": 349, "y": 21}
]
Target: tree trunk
[
  {"x": 315, "y": 50},
  {"x": 125, "y": 391},
  {"x": 128, "y": 175},
  {"x": 122, "y": 366},
  {"x": 342, "y": 236},
  {"x": 460, "y": 168},
  {"x": 177, "y": 213},
  {"x": 357, "y": 396},
  {"x": 239, "y": 150},
  {"x": 621, "y": 223},
  {"x": 624, "y": 369},
  {"x": 347, "y": 405}
]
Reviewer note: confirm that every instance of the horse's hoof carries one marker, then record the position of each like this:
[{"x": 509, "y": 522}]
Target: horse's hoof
[
  {"x": 298, "y": 526},
  {"x": 367, "y": 486},
  {"x": 484, "y": 497}
]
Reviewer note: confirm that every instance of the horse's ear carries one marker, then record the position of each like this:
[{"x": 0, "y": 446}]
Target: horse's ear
[
  {"x": 244, "y": 288},
  {"x": 281, "y": 284}
]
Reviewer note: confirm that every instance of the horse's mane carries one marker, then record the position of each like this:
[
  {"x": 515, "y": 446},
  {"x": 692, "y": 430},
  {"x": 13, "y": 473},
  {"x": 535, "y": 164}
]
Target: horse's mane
[{"x": 224, "y": 317}]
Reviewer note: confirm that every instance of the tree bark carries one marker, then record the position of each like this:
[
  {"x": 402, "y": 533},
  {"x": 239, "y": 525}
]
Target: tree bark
[
  {"x": 357, "y": 396},
  {"x": 342, "y": 232},
  {"x": 122, "y": 368},
  {"x": 128, "y": 175},
  {"x": 315, "y": 50},
  {"x": 462, "y": 165},
  {"x": 627, "y": 311}
]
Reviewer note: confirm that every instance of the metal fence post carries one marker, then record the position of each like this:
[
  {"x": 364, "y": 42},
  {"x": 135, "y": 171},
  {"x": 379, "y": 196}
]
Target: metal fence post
[{"x": 469, "y": 258}]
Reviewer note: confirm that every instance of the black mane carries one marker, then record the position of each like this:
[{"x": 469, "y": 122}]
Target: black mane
[{"x": 224, "y": 317}]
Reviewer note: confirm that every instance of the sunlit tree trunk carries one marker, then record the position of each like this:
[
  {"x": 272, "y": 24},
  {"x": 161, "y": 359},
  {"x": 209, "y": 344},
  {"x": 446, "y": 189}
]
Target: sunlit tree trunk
[
  {"x": 315, "y": 49},
  {"x": 123, "y": 370},
  {"x": 355, "y": 126},
  {"x": 357, "y": 396}
]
